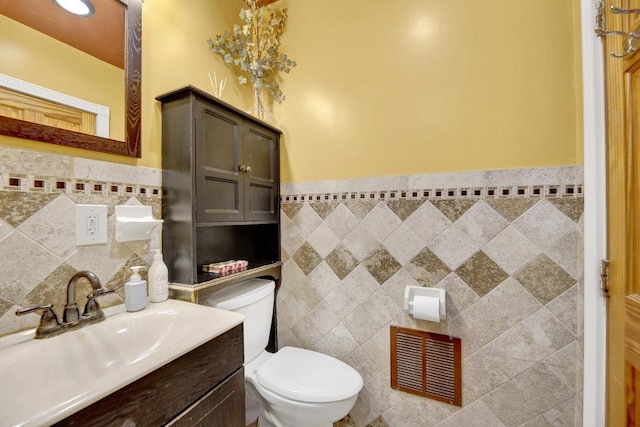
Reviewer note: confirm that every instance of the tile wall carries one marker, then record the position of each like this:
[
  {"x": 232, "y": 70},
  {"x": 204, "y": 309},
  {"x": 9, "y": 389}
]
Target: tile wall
[
  {"x": 507, "y": 247},
  {"x": 38, "y": 254}
]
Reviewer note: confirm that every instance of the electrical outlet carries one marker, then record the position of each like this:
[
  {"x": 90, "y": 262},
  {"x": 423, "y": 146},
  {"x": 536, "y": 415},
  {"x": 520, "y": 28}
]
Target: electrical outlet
[{"x": 91, "y": 225}]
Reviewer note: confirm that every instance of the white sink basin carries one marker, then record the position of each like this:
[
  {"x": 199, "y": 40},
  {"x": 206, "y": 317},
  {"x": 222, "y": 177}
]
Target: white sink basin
[{"x": 44, "y": 381}]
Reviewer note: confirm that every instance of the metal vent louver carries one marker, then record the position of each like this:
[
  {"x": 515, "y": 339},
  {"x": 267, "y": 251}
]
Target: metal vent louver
[{"x": 426, "y": 364}]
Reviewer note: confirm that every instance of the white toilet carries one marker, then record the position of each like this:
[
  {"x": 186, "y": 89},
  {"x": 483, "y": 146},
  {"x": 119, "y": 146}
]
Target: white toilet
[{"x": 295, "y": 387}]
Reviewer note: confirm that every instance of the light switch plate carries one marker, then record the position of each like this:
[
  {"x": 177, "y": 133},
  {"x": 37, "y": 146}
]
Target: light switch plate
[{"x": 91, "y": 225}]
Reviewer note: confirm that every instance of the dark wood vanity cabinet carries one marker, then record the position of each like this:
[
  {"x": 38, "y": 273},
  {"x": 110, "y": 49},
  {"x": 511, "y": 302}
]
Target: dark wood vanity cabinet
[
  {"x": 204, "y": 387},
  {"x": 221, "y": 185}
]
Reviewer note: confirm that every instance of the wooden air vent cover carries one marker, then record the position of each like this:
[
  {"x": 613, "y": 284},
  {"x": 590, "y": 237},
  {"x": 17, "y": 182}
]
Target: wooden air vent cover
[{"x": 426, "y": 364}]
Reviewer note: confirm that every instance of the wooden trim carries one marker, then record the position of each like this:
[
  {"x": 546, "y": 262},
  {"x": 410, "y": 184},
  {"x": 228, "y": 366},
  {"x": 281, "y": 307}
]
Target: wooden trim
[{"x": 133, "y": 77}]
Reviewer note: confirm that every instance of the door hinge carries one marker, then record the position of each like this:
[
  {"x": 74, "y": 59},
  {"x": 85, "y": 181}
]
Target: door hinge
[{"x": 604, "y": 277}]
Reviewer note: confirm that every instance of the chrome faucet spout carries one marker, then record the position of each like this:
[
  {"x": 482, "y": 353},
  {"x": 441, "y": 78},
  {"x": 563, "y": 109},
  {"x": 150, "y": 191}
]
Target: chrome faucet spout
[{"x": 71, "y": 313}]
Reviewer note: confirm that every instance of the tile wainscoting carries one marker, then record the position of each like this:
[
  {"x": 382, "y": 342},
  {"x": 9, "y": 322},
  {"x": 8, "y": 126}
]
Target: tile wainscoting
[
  {"x": 38, "y": 254},
  {"x": 507, "y": 247}
]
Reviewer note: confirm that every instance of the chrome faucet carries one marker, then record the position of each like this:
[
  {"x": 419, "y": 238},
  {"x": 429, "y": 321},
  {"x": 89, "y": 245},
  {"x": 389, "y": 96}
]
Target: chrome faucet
[{"x": 50, "y": 325}]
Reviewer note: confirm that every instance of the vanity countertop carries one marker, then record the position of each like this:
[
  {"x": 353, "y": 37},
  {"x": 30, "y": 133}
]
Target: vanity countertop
[{"x": 46, "y": 380}]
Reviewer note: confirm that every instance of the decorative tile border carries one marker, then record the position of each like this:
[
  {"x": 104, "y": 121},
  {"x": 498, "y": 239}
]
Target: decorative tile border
[{"x": 531, "y": 183}]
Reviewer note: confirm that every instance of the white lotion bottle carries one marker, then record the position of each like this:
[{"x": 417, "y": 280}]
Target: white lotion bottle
[
  {"x": 135, "y": 291},
  {"x": 158, "y": 278}
]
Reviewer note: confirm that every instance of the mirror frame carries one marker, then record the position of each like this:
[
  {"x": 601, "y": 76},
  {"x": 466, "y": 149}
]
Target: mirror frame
[{"x": 133, "y": 81}]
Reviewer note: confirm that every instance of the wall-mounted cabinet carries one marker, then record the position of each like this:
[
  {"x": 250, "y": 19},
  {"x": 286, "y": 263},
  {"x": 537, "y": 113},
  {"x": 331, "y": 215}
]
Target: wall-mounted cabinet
[{"x": 221, "y": 185}]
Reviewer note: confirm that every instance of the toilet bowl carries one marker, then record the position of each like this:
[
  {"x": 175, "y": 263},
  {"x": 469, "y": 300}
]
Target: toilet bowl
[{"x": 295, "y": 387}]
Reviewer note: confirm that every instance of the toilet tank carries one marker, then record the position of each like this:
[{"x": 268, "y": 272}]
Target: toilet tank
[{"x": 254, "y": 298}]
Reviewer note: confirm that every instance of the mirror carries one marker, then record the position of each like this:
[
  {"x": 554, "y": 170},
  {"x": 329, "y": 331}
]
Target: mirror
[{"x": 132, "y": 110}]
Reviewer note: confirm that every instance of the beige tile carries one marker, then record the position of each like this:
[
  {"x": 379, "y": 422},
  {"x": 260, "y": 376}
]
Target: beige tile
[
  {"x": 24, "y": 264},
  {"x": 427, "y": 222},
  {"x": 526, "y": 344},
  {"x": 17, "y": 207},
  {"x": 571, "y": 207},
  {"x": 511, "y": 209},
  {"x": 459, "y": 296},
  {"x": 543, "y": 224},
  {"x": 54, "y": 226},
  {"x": 404, "y": 208},
  {"x": 379, "y": 393},
  {"x": 364, "y": 412},
  {"x": 403, "y": 244},
  {"x": 477, "y": 415},
  {"x": 324, "y": 209},
  {"x": 32, "y": 162},
  {"x": 341, "y": 221},
  {"x": 480, "y": 375},
  {"x": 306, "y": 220},
  {"x": 381, "y": 264},
  {"x": 360, "y": 208},
  {"x": 395, "y": 286},
  {"x": 323, "y": 240},
  {"x": 453, "y": 209},
  {"x": 290, "y": 210},
  {"x": 341, "y": 261},
  {"x": 427, "y": 268},
  {"x": 544, "y": 278},
  {"x": 564, "y": 307},
  {"x": 481, "y": 273},
  {"x": 337, "y": 343},
  {"x": 418, "y": 411},
  {"x": 307, "y": 258},
  {"x": 323, "y": 317},
  {"x": 359, "y": 242},
  {"x": 565, "y": 363},
  {"x": 499, "y": 310},
  {"x": 454, "y": 246},
  {"x": 360, "y": 324},
  {"x": 564, "y": 252},
  {"x": 381, "y": 308},
  {"x": 528, "y": 395},
  {"x": 291, "y": 238},
  {"x": 305, "y": 332},
  {"x": 380, "y": 222},
  {"x": 511, "y": 250},
  {"x": 341, "y": 301}
]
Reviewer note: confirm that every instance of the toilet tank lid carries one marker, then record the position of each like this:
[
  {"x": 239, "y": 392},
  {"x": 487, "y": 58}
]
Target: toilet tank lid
[{"x": 241, "y": 294}]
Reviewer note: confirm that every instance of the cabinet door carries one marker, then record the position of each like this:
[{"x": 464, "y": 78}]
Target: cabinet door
[
  {"x": 219, "y": 193},
  {"x": 223, "y": 406},
  {"x": 261, "y": 173}
]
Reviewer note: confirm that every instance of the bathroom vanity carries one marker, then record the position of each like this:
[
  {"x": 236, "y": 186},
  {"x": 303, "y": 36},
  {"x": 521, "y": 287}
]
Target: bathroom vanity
[
  {"x": 202, "y": 387},
  {"x": 172, "y": 363}
]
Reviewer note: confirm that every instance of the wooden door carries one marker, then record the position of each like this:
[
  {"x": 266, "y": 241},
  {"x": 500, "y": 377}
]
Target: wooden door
[{"x": 623, "y": 222}]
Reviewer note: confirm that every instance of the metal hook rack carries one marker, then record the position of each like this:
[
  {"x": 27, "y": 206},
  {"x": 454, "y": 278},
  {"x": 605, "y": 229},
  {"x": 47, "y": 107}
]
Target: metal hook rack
[{"x": 631, "y": 37}]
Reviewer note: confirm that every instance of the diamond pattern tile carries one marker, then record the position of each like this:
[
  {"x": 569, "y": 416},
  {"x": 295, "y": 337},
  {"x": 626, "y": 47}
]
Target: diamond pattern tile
[
  {"x": 323, "y": 279},
  {"x": 511, "y": 250},
  {"x": 360, "y": 242},
  {"x": 511, "y": 209},
  {"x": 381, "y": 222},
  {"x": 481, "y": 273},
  {"x": 54, "y": 226},
  {"x": 323, "y": 240},
  {"x": 324, "y": 209},
  {"x": 307, "y": 258},
  {"x": 306, "y": 220},
  {"x": 381, "y": 264},
  {"x": 543, "y": 224},
  {"x": 564, "y": 252},
  {"x": 403, "y": 244},
  {"x": 427, "y": 268},
  {"x": 341, "y": 221},
  {"x": 571, "y": 207},
  {"x": 427, "y": 222},
  {"x": 454, "y": 246},
  {"x": 291, "y": 209},
  {"x": 453, "y": 208},
  {"x": 16, "y": 207},
  {"x": 544, "y": 279},
  {"x": 360, "y": 208},
  {"x": 290, "y": 237},
  {"x": 341, "y": 261},
  {"x": 404, "y": 208}
]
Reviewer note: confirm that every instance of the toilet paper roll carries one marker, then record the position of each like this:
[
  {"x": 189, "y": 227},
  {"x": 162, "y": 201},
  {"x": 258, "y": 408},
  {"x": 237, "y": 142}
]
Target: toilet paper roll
[{"x": 426, "y": 308}]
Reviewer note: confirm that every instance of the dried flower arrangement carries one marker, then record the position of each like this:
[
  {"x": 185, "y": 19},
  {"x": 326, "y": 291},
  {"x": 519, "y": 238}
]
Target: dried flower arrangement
[{"x": 253, "y": 50}]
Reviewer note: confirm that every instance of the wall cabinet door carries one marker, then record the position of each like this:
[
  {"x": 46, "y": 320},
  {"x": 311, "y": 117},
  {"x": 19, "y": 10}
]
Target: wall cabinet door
[
  {"x": 219, "y": 181},
  {"x": 237, "y": 168}
]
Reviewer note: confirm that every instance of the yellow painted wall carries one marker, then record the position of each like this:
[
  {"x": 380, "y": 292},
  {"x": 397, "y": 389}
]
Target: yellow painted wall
[{"x": 391, "y": 88}]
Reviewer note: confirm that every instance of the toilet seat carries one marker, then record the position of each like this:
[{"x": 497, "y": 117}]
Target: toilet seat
[{"x": 308, "y": 376}]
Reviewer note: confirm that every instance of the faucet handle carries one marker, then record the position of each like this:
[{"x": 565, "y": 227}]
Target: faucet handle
[
  {"x": 92, "y": 308},
  {"x": 49, "y": 324}
]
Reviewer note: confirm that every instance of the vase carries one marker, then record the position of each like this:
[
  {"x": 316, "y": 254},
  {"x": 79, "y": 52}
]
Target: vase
[{"x": 259, "y": 108}]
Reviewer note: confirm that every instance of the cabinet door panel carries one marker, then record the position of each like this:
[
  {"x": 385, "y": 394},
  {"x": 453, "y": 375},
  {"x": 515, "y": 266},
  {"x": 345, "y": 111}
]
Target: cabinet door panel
[
  {"x": 218, "y": 156},
  {"x": 261, "y": 191}
]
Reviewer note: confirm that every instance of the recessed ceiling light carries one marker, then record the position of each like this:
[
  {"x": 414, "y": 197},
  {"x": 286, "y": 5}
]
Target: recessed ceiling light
[{"x": 77, "y": 7}]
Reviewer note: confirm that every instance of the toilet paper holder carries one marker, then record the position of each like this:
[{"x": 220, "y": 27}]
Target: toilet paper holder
[{"x": 412, "y": 291}]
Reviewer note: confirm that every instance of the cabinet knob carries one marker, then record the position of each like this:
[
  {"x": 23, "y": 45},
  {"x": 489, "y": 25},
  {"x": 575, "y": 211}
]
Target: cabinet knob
[
  {"x": 248, "y": 169},
  {"x": 243, "y": 168}
]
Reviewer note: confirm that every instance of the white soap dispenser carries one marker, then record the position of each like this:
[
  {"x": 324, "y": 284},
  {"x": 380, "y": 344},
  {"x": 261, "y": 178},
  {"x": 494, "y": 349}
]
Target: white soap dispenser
[
  {"x": 135, "y": 291},
  {"x": 158, "y": 278}
]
